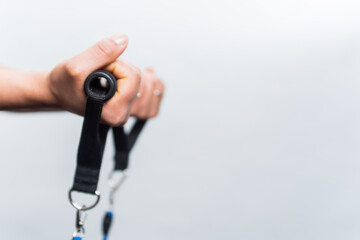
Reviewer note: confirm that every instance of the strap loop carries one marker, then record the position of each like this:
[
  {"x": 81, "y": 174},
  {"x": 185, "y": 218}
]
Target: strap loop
[
  {"x": 125, "y": 142},
  {"x": 93, "y": 135}
]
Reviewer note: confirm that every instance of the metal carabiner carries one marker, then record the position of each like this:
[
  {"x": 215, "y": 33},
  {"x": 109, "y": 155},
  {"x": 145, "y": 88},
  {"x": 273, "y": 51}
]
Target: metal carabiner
[
  {"x": 115, "y": 185},
  {"x": 80, "y": 218},
  {"x": 79, "y": 224},
  {"x": 79, "y": 232}
]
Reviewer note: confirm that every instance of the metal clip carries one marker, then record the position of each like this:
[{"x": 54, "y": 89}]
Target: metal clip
[
  {"x": 81, "y": 214},
  {"x": 83, "y": 207},
  {"x": 79, "y": 224},
  {"x": 115, "y": 185},
  {"x": 80, "y": 218}
]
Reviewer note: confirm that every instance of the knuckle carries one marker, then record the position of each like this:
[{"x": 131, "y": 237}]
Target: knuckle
[
  {"x": 144, "y": 76},
  {"x": 116, "y": 119},
  {"x": 142, "y": 115},
  {"x": 137, "y": 75},
  {"x": 153, "y": 114},
  {"x": 154, "y": 84},
  {"x": 133, "y": 71},
  {"x": 134, "y": 110},
  {"x": 143, "y": 87},
  {"x": 111, "y": 120},
  {"x": 129, "y": 95},
  {"x": 157, "y": 82},
  {"x": 114, "y": 115},
  {"x": 72, "y": 69}
]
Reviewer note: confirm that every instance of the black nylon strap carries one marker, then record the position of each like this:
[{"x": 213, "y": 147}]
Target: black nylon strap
[
  {"x": 125, "y": 142},
  {"x": 93, "y": 135},
  {"x": 135, "y": 132},
  {"x": 121, "y": 148},
  {"x": 123, "y": 145}
]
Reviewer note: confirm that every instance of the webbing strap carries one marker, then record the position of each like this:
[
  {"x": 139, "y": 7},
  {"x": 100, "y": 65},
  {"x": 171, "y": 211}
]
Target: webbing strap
[
  {"x": 93, "y": 135},
  {"x": 91, "y": 148},
  {"x": 125, "y": 142}
]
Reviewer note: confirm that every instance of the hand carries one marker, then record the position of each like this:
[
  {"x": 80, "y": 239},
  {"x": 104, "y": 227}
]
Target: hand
[
  {"x": 66, "y": 81},
  {"x": 147, "y": 104}
]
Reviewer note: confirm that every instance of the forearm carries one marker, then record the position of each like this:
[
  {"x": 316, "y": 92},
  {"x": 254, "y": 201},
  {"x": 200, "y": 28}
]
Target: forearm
[{"x": 19, "y": 90}]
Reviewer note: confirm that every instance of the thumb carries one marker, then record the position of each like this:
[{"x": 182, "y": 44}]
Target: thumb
[{"x": 102, "y": 53}]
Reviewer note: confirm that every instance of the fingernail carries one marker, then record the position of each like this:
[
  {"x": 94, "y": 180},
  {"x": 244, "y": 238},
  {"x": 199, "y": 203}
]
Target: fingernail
[{"x": 120, "y": 39}]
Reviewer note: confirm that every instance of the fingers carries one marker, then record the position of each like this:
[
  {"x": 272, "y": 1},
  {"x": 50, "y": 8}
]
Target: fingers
[
  {"x": 116, "y": 111},
  {"x": 156, "y": 98},
  {"x": 102, "y": 53},
  {"x": 151, "y": 92},
  {"x": 141, "y": 105},
  {"x": 66, "y": 81}
]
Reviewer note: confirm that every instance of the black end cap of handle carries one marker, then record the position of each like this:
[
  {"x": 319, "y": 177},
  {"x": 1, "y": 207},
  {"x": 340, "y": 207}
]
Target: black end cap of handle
[{"x": 93, "y": 88}]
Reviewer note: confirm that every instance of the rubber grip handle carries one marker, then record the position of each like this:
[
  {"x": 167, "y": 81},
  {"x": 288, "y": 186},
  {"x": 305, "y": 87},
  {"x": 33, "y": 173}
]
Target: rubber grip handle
[{"x": 94, "y": 89}]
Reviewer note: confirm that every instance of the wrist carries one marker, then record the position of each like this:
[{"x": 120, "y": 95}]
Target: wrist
[{"x": 39, "y": 93}]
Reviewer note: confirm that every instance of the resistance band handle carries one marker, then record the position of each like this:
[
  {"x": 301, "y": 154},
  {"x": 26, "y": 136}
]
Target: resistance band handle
[
  {"x": 95, "y": 90},
  {"x": 93, "y": 135}
]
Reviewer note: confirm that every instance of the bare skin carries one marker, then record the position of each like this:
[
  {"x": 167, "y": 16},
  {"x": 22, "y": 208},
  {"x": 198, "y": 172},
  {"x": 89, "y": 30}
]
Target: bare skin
[
  {"x": 62, "y": 88},
  {"x": 147, "y": 105}
]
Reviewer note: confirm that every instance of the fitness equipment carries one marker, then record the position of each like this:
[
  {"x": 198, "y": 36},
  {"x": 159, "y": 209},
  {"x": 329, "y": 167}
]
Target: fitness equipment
[
  {"x": 123, "y": 145},
  {"x": 99, "y": 87}
]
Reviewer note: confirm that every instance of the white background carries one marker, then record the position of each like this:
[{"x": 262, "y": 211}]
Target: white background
[{"x": 258, "y": 137}]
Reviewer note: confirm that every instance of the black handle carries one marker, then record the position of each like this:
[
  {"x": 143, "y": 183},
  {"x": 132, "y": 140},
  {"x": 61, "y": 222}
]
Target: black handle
[{"x": 95, "y": 90}]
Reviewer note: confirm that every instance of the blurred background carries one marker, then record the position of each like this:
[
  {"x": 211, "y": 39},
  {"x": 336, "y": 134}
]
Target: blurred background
[{"x": 258, "y": 135}]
